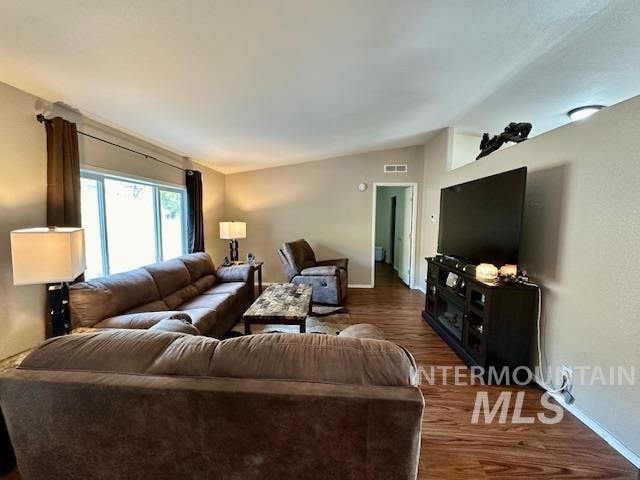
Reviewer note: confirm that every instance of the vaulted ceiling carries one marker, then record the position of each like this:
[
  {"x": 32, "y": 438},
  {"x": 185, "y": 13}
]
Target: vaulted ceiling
[{"x": 257, "y": 83}]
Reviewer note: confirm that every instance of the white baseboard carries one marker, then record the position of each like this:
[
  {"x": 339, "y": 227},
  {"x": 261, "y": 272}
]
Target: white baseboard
[
  {"x": 602, "y": 432},
  {"x": 422, "y": 289}
]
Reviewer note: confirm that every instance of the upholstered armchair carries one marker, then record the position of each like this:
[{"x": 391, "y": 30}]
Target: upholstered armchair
[{"x": 328, "y": 278}]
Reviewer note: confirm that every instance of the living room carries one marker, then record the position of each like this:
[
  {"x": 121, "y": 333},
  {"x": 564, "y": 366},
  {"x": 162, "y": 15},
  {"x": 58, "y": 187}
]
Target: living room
[{"x": 301, "y": 121}]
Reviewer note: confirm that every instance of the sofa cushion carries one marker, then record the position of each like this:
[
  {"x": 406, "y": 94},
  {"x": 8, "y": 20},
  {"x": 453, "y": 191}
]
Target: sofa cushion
[
  {"x": 202, "y": 318},
  {"x": 169, "y": 276},
  {"x": 180, "y": 296},
  {"x": 100, "y": 298},
  {"x": 140, "y": 319},
  {"x": 222, "y": 303},
  {"x": 126, "y": 351},
  {"x": 326, "y": 271},
  {"x": 314, "y": 358},
  {"x": 155, "y": 306},
  {"x": 198, "y": 264},
  {"x": 299, "y": 254},
  {"x": 205, "y": 283},
  {"x": 283, "y": 356},
  {"x": 225, "y": 288}
]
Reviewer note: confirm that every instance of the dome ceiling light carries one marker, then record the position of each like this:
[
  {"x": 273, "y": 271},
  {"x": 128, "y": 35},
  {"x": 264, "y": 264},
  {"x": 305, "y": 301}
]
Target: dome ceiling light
[{"x": 580, "y": 113}]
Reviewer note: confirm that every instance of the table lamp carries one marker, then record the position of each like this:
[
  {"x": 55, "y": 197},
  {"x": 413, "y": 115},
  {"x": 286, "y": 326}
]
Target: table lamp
[
  {"x": 232, "y": 231},
  {"x": 49, "y": 255}
]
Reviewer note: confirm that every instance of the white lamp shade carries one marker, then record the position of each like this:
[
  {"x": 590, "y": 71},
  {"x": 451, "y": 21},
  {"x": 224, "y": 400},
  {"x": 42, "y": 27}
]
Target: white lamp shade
[
  {"x": 47, "y": 255},
  {"x": 233, "y": 230}
]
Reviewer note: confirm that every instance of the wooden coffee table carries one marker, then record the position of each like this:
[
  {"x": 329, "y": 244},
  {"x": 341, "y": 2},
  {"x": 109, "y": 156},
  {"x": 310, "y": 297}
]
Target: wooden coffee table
[{"x": 281, "y": 303}]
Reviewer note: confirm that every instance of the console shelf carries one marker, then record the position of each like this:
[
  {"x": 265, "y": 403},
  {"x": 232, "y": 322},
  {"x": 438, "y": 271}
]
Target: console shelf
[{"x": 486, "y": 324}]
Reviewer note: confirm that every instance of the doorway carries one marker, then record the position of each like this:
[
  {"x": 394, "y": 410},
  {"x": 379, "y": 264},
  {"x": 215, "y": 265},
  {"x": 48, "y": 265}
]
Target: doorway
[{"x": 394, "y": 231}]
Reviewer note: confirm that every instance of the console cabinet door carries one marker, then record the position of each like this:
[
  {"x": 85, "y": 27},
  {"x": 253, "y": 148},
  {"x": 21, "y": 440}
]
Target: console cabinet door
[{"x": 476, "y": 322}]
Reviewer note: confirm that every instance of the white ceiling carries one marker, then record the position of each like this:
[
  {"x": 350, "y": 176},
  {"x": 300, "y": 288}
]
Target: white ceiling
[{"x": 244, "y": 84}]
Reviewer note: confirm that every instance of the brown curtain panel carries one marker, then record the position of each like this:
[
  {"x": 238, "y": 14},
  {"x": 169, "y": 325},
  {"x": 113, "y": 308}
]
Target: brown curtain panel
[
  {"x": 63, "y": 181},
  {"x": 195, "y": 221},
  {"x": 63, "y": 174}
]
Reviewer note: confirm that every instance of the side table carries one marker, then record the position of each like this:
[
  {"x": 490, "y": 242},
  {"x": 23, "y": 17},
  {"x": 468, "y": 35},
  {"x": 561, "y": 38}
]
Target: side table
[{"x": 257, "y": 266}]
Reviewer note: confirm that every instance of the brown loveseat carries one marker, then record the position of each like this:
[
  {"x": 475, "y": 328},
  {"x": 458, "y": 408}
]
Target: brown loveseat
[
  {"x": 187, "y": 288},
  {"x": 155, "y": 405}
]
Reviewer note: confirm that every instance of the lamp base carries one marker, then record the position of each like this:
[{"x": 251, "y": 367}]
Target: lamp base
[
  {"x": 59, "y": 309},
  {"x": 233, "y": 250}
]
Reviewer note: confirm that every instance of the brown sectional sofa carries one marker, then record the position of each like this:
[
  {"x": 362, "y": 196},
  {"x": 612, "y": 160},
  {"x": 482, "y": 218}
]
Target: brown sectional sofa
[
  {"x": 157, "y": 405},
  {"x": 187, "y": 288}
]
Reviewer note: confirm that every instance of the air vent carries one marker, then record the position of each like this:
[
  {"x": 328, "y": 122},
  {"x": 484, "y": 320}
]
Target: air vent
[{"x": 395, "y": 169}]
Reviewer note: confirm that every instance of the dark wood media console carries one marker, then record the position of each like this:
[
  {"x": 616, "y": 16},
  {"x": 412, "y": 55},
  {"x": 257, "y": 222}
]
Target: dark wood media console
[{"x": 486, "y": 324}]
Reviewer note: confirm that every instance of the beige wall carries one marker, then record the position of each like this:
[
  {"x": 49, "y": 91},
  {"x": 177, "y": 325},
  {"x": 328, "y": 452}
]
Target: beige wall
[
  {"x": 464, "y": 148},
  {"x": 318, "y": 201},
  {"x": 23, "y": 190},
  {"x": 580, "y": 237},
  {"x": 23, "y": 162},
  {"x": 436, "y": 152}
]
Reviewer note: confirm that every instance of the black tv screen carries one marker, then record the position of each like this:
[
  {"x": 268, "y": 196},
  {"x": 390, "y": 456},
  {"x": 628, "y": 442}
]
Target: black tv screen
[{"x": 481, "y": 220}]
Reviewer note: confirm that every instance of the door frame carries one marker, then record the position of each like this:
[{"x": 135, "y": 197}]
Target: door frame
[
  {"x": 392, "y": 229},
  {"x": 414, "y": 222}
]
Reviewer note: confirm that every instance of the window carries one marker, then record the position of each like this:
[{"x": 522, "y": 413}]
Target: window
[{"x": 129, "y": 223}]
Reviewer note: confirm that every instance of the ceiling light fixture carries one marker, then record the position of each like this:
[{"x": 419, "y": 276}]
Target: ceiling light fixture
[{"x": 581, "y": 113}]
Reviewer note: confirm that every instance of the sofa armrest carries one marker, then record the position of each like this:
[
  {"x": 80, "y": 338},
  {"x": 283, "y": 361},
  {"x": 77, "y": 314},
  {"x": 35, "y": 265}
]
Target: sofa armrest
[
  {"x": 141, "y": 320},
  {"x": 326, "y": 271},
  {"x": 235, "y": 273},
  {"x": 337, "y": 262},
  {"x": 363, "y": 330}
]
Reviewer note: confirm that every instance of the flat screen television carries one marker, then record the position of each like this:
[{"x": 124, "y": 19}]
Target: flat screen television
[{"x": 481, "y": 220}]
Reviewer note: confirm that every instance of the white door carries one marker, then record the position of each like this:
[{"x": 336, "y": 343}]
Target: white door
[
  {"x": 398, "y": 230},
  {"x": 397, "y": 249},
  {"x": 404, "y": 266}
]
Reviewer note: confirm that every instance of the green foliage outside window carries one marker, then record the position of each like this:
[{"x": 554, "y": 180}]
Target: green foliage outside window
[{"x": 170, "y": 204}]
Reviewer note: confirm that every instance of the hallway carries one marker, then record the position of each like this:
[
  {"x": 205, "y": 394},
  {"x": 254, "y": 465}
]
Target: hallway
[{"x": 387, "y": 277}]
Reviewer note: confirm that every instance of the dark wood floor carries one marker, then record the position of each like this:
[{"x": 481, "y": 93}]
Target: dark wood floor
[{"x": 452, "y": 447}]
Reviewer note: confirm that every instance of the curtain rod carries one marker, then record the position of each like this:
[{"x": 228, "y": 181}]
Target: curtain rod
[{"x": 41, "y": 118}]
